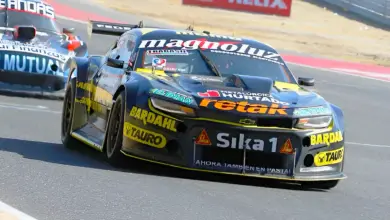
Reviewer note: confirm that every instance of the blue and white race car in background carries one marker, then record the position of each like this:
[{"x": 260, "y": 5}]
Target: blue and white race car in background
[{"x": 34, "y": 52}]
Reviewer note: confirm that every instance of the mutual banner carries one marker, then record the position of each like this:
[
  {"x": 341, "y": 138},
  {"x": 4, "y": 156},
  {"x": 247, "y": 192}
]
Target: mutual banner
[{"x": 274, "y": 7}]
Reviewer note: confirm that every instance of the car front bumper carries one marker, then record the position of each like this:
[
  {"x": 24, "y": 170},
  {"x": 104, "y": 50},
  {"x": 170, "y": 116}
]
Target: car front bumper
[{"x": 183, "y": 148}]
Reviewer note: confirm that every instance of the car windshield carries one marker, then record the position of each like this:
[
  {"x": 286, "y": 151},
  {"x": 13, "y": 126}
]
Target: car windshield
[
  {"x": 42, "y": 23},
  {"x": 211, "y": 63}
]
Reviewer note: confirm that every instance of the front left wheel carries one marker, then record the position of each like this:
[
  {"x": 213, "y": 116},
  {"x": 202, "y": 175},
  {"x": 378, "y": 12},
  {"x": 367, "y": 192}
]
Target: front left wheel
[{"x": 115, "y": 133}]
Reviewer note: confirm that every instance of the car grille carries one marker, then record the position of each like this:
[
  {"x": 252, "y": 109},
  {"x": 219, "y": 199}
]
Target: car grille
[
  {"x": 270, "y": 160},
  {"x": 222, "y": 155},
  {"x": 276, "y": 122},
  {"x": 252, "y": 158}
]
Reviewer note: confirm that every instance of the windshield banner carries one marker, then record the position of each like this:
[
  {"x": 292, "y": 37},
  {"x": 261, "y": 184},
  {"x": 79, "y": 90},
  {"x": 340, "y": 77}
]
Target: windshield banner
[{"x": 223, "y": 47}]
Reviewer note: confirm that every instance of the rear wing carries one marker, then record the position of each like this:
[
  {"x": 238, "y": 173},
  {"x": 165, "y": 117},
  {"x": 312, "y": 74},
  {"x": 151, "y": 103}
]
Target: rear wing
[
  {"x": 116, "y": 29},
  {"x": 108, "y": 28}
]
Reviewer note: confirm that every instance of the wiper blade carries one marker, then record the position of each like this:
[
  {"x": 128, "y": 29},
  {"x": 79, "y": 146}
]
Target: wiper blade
[{"x": 210, "y": 63}]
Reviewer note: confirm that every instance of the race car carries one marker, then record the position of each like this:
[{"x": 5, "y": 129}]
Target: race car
[
  {"x": 202, "y": 102},
  {"x": 34, "y": 52}
]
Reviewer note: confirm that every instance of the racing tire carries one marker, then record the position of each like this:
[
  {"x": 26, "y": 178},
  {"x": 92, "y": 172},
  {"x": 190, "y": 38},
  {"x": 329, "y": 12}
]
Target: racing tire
[
  {"x": 67, "y": 117},
  {"x": 114, "y": 134},
  {"x": 329, "y": 184}
]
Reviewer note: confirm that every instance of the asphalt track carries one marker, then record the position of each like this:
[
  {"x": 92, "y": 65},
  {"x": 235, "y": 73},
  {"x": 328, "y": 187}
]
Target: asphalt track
[{"x": 41, "y": 178}]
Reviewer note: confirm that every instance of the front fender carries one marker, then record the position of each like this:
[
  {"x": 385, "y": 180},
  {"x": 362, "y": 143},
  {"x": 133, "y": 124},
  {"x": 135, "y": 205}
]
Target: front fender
[
  {"x": 130, "y": 90},
  {"x": 78, "y": 68},
  {"x": 339, "y": 117}
]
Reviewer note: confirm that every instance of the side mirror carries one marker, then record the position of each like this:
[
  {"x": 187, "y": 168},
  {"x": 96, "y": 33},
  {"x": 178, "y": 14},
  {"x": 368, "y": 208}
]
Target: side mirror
[
  {"x": 306, "y": 81},
  {"x": 119, "y": 64},
  {"x": 68, "y": 30}
]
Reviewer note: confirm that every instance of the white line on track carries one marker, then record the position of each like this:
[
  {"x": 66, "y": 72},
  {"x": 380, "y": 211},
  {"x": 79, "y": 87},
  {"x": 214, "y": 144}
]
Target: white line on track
[
  {"x": 339, "y": 72},
  {"x": 9, "y": 213},
  {"x": 71, "y": 19},
  {"x": 35, "y": 108},
  {"x": 368, "y": 145}
]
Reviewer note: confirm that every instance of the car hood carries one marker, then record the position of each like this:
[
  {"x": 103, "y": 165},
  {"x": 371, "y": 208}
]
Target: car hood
[{"x": 238, "y": 88}]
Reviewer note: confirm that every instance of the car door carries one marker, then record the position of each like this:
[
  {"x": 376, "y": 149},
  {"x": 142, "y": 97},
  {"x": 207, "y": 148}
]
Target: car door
[{"x": 109, "y": 77}]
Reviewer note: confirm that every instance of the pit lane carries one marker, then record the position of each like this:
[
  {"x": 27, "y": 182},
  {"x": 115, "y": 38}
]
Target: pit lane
[{"x": 41, "y": 178}]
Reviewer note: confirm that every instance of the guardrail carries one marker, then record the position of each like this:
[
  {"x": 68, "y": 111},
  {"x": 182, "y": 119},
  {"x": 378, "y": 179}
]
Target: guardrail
[{"x": 376, "y": 10}]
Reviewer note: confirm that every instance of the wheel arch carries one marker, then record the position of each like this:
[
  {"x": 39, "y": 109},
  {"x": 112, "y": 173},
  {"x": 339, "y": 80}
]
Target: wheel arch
[
  {"x": 78, "y": 68},
  {"x": 339, "y": 117},
  {"x": 129, "y": 90},
  {"x": 80, "y": 64}
]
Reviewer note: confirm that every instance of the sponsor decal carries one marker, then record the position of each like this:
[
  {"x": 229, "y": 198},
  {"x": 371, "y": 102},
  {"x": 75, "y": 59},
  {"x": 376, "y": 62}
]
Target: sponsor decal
[
  {"x": 245, "y": 107},
  {"x": 312, "y": 111},
  {"x": 287, "y": 147},
  {"x": 159, "y": 63},
  {"x": 262, "y": 170},
  {"x": 167, "y": 52},
  {"x": 34, "y": 7},
  {"x": 99, "y": 94},
  {"x": 247, "y": 121},
  {"x": 39, "y": 45},
  {"x": 203, "y": 138},
  {"x": 277, "y": 7},
  {"x": 329, "y": 157},
  {"x": 28, "y": 48},
  {"x": 192, "y": 33},
  {"x": 95, "y": 106},
  {"x": 173, "y": 67},
  {"x": 148, "y": 117},
  {"x": 173, "y": 95},
  {"x": 326, "y": 138},
  {"x": 144, "y": 136},
  {"x": 86, "y": 86},
  {"x": 233, "y": 48},
  {"x": 115, "y": 27},
  {"x": 225, "y": 140},
  {"x": 30, "y": 64},
  {"x": 261, "y": 3},
  {"x": 261, "y": 97},
  {"x": 205, "y": 78},
  {"x": 209, "y": 93}
]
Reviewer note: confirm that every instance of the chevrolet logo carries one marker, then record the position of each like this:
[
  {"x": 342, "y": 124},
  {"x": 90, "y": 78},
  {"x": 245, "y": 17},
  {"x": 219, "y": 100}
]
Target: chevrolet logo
[{"x": 247, "y": 121}]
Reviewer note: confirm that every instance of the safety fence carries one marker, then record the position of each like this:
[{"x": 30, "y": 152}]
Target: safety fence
[{"x": 376, "y": 10}]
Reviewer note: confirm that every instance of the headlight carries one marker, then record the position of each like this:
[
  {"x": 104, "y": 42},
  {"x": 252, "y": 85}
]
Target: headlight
[
  {"x": 315, "y": 122},
  {"x": 172, "y": 108}
]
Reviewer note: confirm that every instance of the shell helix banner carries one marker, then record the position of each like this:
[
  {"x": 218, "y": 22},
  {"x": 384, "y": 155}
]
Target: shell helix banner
[{"x": 274, "y": 7}]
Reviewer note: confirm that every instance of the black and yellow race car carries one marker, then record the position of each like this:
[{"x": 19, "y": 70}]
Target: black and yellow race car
[{"x": 202, "y": 102}]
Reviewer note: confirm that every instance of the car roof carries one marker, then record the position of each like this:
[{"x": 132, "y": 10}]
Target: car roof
[{"x": 156, "y": 33}]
